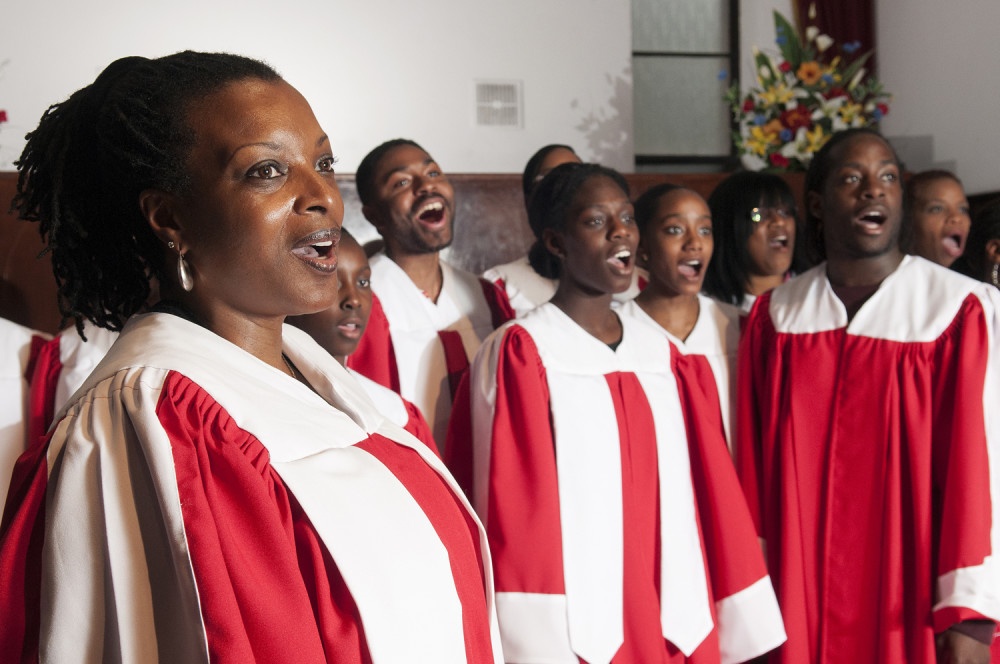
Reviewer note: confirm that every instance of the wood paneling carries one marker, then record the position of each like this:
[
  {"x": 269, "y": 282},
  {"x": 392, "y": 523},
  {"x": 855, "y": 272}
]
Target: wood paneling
[{"x": 491, "y": 227}]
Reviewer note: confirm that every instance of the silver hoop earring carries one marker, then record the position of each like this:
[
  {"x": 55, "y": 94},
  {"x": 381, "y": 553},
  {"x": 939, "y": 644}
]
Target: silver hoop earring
[{"x": 996, "y": 275}]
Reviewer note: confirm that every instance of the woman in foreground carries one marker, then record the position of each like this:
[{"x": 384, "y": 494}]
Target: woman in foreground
[{"x": 220, "y": 489}]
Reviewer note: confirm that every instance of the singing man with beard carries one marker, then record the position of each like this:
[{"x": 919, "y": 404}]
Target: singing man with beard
[{"x": 428, "y": 318}]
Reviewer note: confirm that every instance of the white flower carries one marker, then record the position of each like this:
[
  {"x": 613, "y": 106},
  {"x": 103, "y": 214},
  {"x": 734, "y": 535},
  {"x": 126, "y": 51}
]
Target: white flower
[
  {"x": 811, "y": 33},
  {"x": 753, "y": 162},
  {"x": 823, "y": 42},
  {"x": 812, "y": 11},
  {"x": 857, "y": 79}
]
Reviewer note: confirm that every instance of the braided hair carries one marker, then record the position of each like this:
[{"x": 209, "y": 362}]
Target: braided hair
[
  {"x": 85, "y": 165},
  {"x": 550, "y": 204}
]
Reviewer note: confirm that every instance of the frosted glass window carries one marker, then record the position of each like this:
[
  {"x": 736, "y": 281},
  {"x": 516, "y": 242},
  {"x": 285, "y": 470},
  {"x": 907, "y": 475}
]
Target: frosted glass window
[
  {"x": 699, "y": 26},
  {"x": 678, "y": 106}
]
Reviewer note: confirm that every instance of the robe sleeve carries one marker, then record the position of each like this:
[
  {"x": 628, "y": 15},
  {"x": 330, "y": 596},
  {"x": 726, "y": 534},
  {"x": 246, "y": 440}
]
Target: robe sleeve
[
  {"x": 748, "y": 619},
  {"x": 515, "y": 491},
  {"x": 751, "y": 360},
  {"x": 375, "y": 357},
  {"x": 965, "y": 466},
  {"x": 21, "y": 536}
]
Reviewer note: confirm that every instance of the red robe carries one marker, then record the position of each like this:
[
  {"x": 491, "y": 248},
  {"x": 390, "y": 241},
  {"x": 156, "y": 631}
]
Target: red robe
[
  {"x": 398, "y": 410},
  {"x": 17, "y": 346},
  {"x": 194, "y": 504},
  {"x": 420, "y": 348},
  {"x": 581, "y": 465},
  {"x": 59, "y": 368},
  {"x": 868, "y": 453}
]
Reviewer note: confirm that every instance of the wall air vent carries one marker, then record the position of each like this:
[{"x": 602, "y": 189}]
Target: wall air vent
[{"x": 498, "y": 104}]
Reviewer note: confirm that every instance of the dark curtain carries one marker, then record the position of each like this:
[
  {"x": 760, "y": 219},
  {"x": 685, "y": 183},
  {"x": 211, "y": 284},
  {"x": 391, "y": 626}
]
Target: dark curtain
[{"x": 845, "y": 21}]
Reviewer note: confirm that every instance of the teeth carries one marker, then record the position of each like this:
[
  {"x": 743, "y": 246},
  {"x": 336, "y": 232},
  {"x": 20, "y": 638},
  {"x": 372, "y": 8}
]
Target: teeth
[
  {"x": 433, "y": 206},
  {"x": 623, "y": 253},
  {"x": 328, "y": 243},
  {"x": 694, "y": 263}
]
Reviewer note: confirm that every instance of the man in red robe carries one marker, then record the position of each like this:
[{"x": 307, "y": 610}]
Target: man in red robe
[
  {"x": 428, "y": 318},
  {"x": 867, "y": 433}
]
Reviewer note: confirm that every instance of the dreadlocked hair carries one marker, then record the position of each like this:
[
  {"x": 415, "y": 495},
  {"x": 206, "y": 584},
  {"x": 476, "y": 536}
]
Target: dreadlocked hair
[{"x": 91, "y": 156}]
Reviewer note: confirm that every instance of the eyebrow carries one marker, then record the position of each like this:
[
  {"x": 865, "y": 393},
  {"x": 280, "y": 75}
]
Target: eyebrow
[
  {"x": 272, "y": 145},
  {"x": 857, "y": 164}
]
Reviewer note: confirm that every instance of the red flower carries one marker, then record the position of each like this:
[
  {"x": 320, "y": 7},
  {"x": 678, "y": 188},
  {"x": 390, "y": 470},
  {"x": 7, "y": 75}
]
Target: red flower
[
  {"x": 785, "y": 66},
  {"x": 833, "y": 93},
  {"x": 800, "y": 116},
  {"x": 778, "y": 160},
  {"x": 747, "y": 105},
  {"x": 883, "y": 109},
  {"x": 3, "y": 116}
]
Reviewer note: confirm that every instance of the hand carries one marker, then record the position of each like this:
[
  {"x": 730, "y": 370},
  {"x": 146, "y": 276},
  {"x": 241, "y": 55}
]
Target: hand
[{"x": 957, "y": 648}]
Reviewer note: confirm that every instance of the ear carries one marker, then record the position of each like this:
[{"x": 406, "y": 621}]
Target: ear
[
  {"x": 641, "y": 253},
  {"x": 993, "y": 250},
  {"x": 553, "y": 242},
  {"x": 814, "y": 203},
  {"x": 374, "y": 217},
  {"x": 160, "y": 210}
]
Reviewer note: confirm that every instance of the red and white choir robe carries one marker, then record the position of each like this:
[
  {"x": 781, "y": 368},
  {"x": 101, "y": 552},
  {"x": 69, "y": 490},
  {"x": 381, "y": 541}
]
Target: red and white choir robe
[
  {"x": 17, "y": 345},
  {"x": 868, "y": 452},
  {"x": 196, "y": 504},
  {"x": 421, "y": 348},
  {"x": 582, "y": 474},
  {"x": 526, "y": 289},
  {"x": 397, "y": 410},
  {"x": 713, "y": 341},
  {"x": 59, "y": 368}
]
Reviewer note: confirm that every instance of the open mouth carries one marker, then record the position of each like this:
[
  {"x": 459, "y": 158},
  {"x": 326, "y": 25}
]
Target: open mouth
[
  {"x": 621, "y": 259},
  {"x": 778, "y": 242},
  {"x": 872, "y": 221},
  {"x": 954, "y": 244},
  {"x": 319, "y": 250},
  {"x": 690, "y": 269},
  {"x": 351, "y": 329},
  {"x": 432, "y": 212}
]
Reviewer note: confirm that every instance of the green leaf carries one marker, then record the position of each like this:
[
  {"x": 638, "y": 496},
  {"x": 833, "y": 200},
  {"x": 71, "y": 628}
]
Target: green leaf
[{"x": 791, "y": 49}]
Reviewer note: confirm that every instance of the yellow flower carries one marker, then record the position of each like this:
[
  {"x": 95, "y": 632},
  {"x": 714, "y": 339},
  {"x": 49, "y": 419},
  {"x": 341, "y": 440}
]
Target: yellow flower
[
  {"x": 759, "y": 140},
  {"x": 777, "y": 94},
  {"x": 815, "y": 138},
  {"x": 850, "y": 111},
  {"x": 809, "y": 72}
]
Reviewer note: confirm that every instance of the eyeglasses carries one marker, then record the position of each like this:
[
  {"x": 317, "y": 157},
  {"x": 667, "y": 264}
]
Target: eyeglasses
[{"x": 759, "y": 214}]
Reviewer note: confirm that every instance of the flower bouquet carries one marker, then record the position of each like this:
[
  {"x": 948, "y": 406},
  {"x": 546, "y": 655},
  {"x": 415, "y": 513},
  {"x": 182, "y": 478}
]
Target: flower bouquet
[{"x": 814, "y": 89}]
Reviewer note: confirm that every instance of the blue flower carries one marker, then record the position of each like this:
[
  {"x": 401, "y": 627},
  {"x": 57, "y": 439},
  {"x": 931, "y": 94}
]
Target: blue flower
[
  {"x": 877, "y": 114},
  {"x": 759, "y": 120},
  {"x": 827, "y": 79},
  {"x": 851, "y": 47},
  {"x": 786, "y": 135},
  {"x": 781, "y": 40},
  {"x": 722, "y": 75}
]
